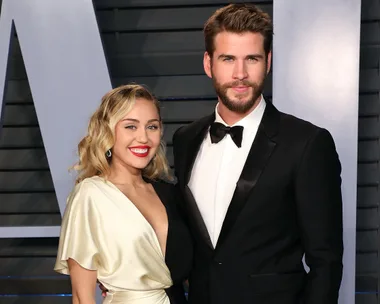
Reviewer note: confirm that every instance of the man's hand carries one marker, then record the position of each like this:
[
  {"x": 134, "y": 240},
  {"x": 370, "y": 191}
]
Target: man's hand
[{"x": 103, "y": 289}]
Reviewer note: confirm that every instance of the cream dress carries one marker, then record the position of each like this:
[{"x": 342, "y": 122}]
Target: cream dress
[{"x": 103, "y": 230}]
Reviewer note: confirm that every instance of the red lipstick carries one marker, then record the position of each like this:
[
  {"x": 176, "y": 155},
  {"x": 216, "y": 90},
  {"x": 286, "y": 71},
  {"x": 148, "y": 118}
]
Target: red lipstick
[{"x": 140, "y": 151}]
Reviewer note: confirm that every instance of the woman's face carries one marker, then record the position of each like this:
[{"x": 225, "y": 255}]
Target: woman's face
[{"x": 137, "y": 136}]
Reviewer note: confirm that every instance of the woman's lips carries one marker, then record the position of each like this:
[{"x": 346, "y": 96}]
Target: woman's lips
[{"x": 140, "y": 151}]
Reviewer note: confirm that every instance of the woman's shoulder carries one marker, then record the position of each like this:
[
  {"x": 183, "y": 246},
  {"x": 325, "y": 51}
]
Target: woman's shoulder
[
  {"x": 88, "y": 188},
  {"x": 93, "y": 182}
]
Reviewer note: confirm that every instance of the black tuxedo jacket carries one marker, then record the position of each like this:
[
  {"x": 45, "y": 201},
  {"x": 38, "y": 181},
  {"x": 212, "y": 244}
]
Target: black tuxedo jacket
[{"x": 287, "y": 203}]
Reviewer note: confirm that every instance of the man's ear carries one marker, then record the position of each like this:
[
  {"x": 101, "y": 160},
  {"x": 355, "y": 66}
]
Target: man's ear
[
  {"x": 269, "y": 61},
  {"x": 207, "y": 64}
]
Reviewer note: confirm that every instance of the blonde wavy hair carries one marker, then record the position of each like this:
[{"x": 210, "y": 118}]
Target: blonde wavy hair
[{"x": 101, "y": 135}]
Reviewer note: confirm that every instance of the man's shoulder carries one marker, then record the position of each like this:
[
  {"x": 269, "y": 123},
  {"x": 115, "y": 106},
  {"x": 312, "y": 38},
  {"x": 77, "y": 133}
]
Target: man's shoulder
[
  {"x": 299, "y": 133},
  {"x": 163, "y": 183},
  {"x": 296, "y": 126},
  {"x": 188, "y": 130}
]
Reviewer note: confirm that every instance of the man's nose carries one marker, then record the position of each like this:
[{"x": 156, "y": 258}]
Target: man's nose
[{"x": 240, "y": 70}]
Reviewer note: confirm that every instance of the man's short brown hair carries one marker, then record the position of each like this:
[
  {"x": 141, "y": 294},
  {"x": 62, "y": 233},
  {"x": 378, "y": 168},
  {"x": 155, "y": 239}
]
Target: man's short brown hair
[{"x": 238, "y": 18}]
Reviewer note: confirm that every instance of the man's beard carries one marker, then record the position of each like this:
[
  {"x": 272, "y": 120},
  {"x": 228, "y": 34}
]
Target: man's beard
[{"x": 236, "y": 105}]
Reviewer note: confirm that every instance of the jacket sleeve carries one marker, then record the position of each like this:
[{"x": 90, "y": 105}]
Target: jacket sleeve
[{"x": 319, "y": 212}]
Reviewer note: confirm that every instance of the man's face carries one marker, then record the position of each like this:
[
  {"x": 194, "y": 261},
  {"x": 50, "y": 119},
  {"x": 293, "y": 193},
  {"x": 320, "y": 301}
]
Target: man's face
[{"x": 238, "y": 68}]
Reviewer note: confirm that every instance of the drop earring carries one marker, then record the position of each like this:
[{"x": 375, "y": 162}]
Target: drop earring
[{"x": 108, "y": 153}]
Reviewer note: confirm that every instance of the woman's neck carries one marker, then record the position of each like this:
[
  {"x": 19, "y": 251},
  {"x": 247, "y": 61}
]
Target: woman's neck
[{"x": 120, "y": 175}]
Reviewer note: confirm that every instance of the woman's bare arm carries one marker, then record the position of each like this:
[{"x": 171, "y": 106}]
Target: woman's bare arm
[{"x": 83, "y": 283}]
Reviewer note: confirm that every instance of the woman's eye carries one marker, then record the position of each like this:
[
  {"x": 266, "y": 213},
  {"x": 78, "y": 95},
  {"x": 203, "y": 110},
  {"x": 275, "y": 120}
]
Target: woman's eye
[
  {"x": 153, "y": 127},
  {"x": 131, "y": 127}
]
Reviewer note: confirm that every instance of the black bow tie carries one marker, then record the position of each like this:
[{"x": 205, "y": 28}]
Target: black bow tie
[{"x": 218, "y": 131}]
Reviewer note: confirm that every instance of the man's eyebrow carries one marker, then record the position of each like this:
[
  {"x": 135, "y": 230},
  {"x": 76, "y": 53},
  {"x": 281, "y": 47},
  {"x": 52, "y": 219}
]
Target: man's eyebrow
[
  {"x": 259, "y": 56},
  {"x": 255, "y": 56},
  {"x": 226, "y": 56}
]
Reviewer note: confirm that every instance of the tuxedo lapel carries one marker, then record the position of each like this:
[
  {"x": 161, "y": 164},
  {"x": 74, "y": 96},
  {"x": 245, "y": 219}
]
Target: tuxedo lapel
[
  {"x": 197, "y": 133},
  {"x": 196, "y": 218},
  {"x": 258, "y": 157}
]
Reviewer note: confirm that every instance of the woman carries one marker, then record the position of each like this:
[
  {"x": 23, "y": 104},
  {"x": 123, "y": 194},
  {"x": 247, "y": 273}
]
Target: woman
[{"x": 122, "y": 224}]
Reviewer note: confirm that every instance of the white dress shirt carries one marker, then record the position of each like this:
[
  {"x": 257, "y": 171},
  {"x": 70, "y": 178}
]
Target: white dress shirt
[{"x": 217, "y": 169}]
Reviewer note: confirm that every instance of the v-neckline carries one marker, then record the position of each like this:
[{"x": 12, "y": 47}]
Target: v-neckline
[{"x": 143, "y": 217}]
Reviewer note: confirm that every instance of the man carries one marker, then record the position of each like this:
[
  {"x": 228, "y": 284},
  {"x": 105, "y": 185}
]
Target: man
[{"x": 261, "y": 188}]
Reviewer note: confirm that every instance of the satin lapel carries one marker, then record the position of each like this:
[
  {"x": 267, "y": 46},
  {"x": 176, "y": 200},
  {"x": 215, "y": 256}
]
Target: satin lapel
[
  {"x": 196, "y": 218},
  {"x": 258, "y": 157},
  {"x": 197, "y": 135},
  {"x": 194, "y": 141}
]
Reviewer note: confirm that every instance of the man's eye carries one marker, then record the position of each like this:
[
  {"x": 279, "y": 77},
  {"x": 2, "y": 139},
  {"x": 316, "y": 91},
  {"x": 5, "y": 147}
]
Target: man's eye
[{"x": 227, "y": 59}]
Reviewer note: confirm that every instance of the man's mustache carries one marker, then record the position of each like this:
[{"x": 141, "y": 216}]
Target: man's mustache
[{"x": 239, "y": 83}]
